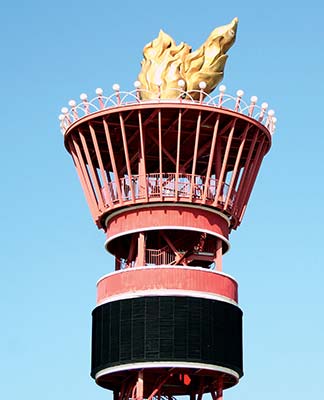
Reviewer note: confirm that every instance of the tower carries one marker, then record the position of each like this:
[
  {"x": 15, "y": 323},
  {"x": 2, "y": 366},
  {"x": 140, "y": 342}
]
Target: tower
[{"x": 167, "y": 179}]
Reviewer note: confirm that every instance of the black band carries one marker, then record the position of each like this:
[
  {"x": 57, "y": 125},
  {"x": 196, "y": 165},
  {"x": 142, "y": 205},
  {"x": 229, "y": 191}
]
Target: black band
[{"x": 167, "y": 328}]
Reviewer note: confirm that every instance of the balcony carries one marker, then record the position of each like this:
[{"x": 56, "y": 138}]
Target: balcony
[{"x": 167, "y": 187}]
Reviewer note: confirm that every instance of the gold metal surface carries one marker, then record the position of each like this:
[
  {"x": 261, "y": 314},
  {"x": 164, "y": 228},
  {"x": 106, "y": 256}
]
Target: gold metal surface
[{"x": 165, "y": 63}]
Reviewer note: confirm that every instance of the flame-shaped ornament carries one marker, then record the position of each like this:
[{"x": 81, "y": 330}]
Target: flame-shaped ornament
[{"x": 165, "y": 63}]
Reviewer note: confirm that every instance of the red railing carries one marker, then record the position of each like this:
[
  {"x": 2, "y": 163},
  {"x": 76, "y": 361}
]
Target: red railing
[
  {"x": 168, "y": 186},
  {"x": 166, "y": 256}
]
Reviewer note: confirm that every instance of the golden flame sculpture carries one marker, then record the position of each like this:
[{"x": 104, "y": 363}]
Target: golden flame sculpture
[{"x": 165, "y": 64}]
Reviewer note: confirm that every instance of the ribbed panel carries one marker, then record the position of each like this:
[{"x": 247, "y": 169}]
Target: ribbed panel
[{"x": 167, "y": 328}]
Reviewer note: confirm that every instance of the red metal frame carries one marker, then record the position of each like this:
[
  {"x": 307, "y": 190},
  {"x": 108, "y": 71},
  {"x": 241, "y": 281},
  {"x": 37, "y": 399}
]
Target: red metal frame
[
  {"x": 167, "y": 182},
  {"x": 237, "y": 135},
  {"x": 160, "y": 280}
]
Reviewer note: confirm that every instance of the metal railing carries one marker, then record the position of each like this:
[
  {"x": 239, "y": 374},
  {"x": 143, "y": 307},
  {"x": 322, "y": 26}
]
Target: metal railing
[
  {"x": 76, "y": 111},
  {"x": 168, "y": 186},
  {"x": 158, "y": 257}
]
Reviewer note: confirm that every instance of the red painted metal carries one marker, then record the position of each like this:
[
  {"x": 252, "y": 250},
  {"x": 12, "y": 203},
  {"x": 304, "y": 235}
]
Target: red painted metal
[
  {"x": 211, "y": 158},
  {"x": 178, "y": 153},
  {"x": 100, "y": 163},
  {"x": 160, "y": 384},
  {"x": 214, "y": 127},
  {"x": 219, "y": 252},
  {"x": 194, "y": 162},
  {"x": 168, "y": 216},
  {"x": 93, "y": 172},
  {"x": 242, "y": 186},
  {"x": 159, "y": 279},
  {"x": 252, "y": 177},
  {"x": 83, "y": 176},
  {"x": 167, "y": 181},
  {"x": 224, "y": 164},
  {"x": 235, "y": 169},
  {"x": 112, "y": 159},
  {"x": 220, "y": 387}
]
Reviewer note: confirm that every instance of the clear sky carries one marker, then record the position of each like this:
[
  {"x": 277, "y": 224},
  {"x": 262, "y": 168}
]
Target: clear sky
[{"x": 51, "y": 252}]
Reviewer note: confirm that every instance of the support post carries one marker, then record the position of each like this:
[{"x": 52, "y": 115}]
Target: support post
[
  {"x": 113, "y": 161},
  {"x": 220, "y": 388},
  {"x": 132, "y": 249},
  {"x": 140, "y": 262},
  {"x": 178, "y": 155},
  {"x": 117, "y": 264},
  {"x": 140, "y": 386},
  {"x": 219, "y": 255},
  {"x": 128, "y": 165},
  {"x": 160, "y": 152},
  {"x": 142, "y": 179}
]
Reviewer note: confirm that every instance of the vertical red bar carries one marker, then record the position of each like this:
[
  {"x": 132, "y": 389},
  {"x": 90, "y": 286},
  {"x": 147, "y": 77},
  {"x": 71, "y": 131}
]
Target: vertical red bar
[
  {"x": 142, "y": 163},
  {"x": 220, "y": 388},
  {"x": 237, "y": 202},
  {"x": 249, "y": 173},
  {"x": 113, "y": 161},
  {"x": 140, "y": 262},
  {"x": 237, "y": 162},
  {"x": 101, "y": 167},
  {"x": 178, "y": 155},
  {"x": 219, "y": 255},
  {"x": 256, "y": 167},
  {"x": 84, "y": 178},
  {"x": 140, "y": 386},
  {"x": 211, "y": 159},
  {"x": 194, "y": 162},
  {"x": 224, "y": 164},
  {"x": 128, "y": 166},
  {"x": 93, "y": 172},
  {"x": 160, "y": 150}
]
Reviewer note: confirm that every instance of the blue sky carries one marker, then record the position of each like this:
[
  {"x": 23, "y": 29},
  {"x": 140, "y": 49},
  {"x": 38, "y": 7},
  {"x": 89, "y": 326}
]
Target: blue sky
[{"x": 51, "y": 252}]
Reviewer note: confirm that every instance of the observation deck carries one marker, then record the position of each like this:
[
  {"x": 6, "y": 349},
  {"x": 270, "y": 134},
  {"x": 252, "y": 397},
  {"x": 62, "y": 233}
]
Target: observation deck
[{"x": 133, "y": 152}]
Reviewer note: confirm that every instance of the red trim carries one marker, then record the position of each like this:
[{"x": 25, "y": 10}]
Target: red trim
[
  {"x": 165, "y": 105},
  {"x": 133, "y": 280},
  {"x": 138, "y": 219}
]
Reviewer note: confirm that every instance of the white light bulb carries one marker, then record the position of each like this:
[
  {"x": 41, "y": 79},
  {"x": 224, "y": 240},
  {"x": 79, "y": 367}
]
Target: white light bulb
[
  {"x": 83, "y": 96},
  {"x": 64, "y": 110},
  {"x": 222, "y": 88},
  {"x": 254, "y": 99},
  {"x": 61, "y": 117},
  {"x": 264, "y": 106},
  {"x": 271, "y": 113},
  {"x": 181, "y": 83},
  {"x": 99, "y": 91},
  {"x": 137, "y": 84},
  {"x": 202, "y": 85},
  {"x": 239, "y": 93},
  {"x": 116, "y": 87},
  {"x": 72, "y": 103}
]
